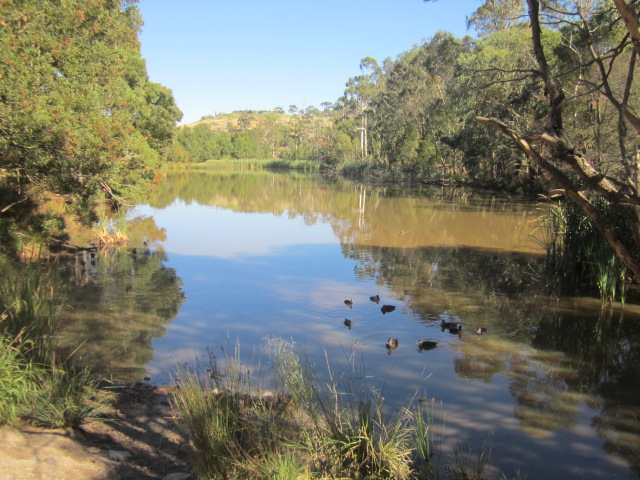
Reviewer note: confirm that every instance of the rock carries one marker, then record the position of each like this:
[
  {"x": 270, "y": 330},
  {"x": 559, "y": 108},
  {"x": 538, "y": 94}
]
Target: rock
[
  {"x": 119, "y": 455},
  {"x": 177, "y": 476}
]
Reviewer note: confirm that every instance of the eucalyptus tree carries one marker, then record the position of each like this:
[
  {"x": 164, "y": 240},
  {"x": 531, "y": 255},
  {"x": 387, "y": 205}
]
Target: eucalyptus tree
[
  {"x": 358, "y": 100},
  {"x": 419, "y": 106},
  {"x": 496, "y": 15},
  {"x": 602, "y": 43},
  {"x": 495, "y": 76}
]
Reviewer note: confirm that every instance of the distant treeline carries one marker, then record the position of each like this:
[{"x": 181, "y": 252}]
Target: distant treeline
[{"x": 417, "y": 112}]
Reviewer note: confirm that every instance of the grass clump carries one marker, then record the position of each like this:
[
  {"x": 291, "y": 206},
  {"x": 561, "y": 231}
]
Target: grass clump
[
  {"x": 16, "y": 379},
  {"x": 65, "y": 398},
  {"x": 111, "y": 230},
  {"x": 35, "y": 385},
  {"x": 307, "y": 429},
  {"x": 578, "y": 256}
]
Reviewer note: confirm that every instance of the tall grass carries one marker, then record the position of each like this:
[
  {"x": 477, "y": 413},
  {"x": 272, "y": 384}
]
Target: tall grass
[
  {"x": 29, "y": 303},
  {"x": 111, "y": 230},
  {"x": 578, "y": 255},
  {"x": 16, "y": 379},
  {"x": 34, "y": 384},
  {"x": 302, "y": 165},
  {"x": 65, "y": 396},
  {"x": 308, "y": 428},
  {"x": 233, "y": 163}
]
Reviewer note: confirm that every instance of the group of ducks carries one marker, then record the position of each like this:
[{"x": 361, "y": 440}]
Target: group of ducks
[
  {"x": 453, "y": 327},
  {"x": 392, "y": 343},
  {"x": 376, "y": 299}
]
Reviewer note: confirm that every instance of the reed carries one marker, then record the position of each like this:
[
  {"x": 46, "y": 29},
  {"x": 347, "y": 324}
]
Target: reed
[{"x": 578, "y": 256}]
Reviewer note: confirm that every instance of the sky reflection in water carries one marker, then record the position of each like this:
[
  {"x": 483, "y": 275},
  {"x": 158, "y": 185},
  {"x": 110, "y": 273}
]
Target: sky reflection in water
[{"x": 246, "y": 276}]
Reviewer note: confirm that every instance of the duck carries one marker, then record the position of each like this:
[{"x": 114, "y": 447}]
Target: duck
[
  {"x": 349, "y": 303},
  {"x": 348, "y": 323},
  {"x": 427, "y": 344},
  {"x": 387, "y": 308},
  {"x": 447, "y": 325},
  {"x": 481, "y": 331},
  {"x": 392, "y": 343},
  {"x": 455, "y": 329},
  {"x": 375, "y": 298}
]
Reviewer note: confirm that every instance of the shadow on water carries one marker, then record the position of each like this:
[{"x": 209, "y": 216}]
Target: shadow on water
[{"x": 552, "y": 384}]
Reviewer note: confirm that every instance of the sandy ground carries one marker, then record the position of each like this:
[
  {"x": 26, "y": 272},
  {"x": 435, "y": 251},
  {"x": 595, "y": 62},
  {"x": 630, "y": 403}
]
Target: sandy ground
[{"x": 140, "y": 441}]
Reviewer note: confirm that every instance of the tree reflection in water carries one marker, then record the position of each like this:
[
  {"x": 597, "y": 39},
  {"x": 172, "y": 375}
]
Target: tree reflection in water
[
  {"x": 118, "y": 303},
  {"x": 454, "y": 256}
]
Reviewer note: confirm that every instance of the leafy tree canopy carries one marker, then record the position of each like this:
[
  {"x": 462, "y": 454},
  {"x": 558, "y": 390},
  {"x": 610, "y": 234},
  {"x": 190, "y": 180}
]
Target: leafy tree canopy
[{"x": 78, "y": 114}]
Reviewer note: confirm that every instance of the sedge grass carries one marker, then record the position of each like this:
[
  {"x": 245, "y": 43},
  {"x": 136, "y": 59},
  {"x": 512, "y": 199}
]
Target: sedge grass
[
  {"x": 66, "y": 397},
  {"x": 29, "y": 303},
  {"x": 16, "y": 379}
]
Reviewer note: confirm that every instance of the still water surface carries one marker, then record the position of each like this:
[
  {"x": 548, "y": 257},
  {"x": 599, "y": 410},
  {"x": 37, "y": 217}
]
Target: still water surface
[{"x": 226, "y": 259}]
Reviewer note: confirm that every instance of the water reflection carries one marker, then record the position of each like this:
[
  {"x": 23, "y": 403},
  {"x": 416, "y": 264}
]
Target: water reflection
[
  {"x": 358, "y": 216},
  {"x": 261, "y": 254},
  {"x": 118, "y": 302}
]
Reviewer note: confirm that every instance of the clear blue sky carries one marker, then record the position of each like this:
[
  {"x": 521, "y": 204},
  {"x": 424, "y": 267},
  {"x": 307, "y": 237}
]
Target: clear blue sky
[{"x": 220, "y": 56}]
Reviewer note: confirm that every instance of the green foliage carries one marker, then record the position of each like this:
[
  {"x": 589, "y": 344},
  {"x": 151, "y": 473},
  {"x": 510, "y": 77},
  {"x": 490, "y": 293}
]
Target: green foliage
[
  {"x": 16, "y": 378},
  {"x": 305, "y": 430},
  {"x": 65, "y": 398},
  {"x": 79, "y": 115},
  {"x": 578, "y": 255},
  {"x": 202, "y": 144}
]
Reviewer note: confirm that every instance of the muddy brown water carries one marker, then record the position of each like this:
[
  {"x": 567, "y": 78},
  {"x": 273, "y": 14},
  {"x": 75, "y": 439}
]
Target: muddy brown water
[{"x": 220, "y": 261}]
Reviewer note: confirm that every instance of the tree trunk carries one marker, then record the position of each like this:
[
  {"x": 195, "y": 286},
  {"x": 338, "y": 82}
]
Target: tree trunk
[{"x": 621, "y": 198}]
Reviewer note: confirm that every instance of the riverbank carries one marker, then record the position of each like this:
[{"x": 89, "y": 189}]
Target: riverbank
[{"x": 139, "y": 439}]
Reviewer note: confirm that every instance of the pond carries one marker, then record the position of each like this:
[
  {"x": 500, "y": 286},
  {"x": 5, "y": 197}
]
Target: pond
[{"x": 220, "y": 261}]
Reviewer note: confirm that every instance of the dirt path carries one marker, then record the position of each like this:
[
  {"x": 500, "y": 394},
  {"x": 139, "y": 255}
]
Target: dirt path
[{"x": 141, "y": 441}]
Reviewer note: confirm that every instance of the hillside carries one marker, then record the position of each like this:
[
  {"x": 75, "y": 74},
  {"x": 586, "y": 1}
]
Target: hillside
[{"x": 241, "y": 121}]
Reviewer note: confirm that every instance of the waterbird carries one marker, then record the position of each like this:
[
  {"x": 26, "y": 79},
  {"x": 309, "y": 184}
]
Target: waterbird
[
  {"x": 447, "y": 325},
  {"x": 375, "y": 298},
  {"x": 387, "y": 308},
  {"x": 392, "y": 344},
  {"x": 349, "y": 303},
  {"x": 456, "y": 329},
  {"x": 427, "y": 344},
  {"x": 348, "y": 323},
  {"x": 481, "y": 331}
]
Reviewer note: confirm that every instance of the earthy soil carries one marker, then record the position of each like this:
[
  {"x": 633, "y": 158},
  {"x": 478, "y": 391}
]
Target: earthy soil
[{"x": 139, "y": 440}]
